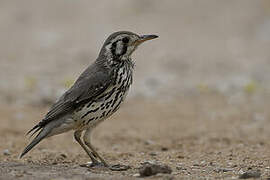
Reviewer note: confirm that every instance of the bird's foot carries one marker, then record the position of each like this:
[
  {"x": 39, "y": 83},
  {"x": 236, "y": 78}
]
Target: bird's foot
[{"x": 119, "y": 167}]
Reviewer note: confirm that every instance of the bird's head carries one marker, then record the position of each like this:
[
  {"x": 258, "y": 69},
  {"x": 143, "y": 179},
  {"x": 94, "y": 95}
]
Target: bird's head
[{"x": 120, "y": 45}]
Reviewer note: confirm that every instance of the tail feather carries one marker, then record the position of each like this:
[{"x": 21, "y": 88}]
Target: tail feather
[{"x": 41, "y": 135}]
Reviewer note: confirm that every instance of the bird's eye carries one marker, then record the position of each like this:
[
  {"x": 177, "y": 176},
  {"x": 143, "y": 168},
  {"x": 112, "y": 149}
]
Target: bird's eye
[{"x": 125, "y": 40}]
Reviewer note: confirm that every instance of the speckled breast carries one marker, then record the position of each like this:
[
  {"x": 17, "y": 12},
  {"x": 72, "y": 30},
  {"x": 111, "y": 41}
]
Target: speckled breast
[{"x": 97, "y": 110}]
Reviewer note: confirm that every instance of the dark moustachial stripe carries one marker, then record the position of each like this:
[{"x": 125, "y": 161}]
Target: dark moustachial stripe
[{"x": 124, "y": 50}]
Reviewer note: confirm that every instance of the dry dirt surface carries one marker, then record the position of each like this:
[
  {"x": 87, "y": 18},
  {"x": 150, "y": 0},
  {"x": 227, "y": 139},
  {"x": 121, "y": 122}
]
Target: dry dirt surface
[{"x": 199, "y": 138}]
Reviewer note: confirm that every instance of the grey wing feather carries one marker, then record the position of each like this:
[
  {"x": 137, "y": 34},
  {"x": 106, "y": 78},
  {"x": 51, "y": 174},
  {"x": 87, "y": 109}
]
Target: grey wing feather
[{"x": 92, "y": 82}]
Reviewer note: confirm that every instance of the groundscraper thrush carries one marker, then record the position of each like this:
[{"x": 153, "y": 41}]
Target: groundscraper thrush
[{"x": 97, "y": 94}]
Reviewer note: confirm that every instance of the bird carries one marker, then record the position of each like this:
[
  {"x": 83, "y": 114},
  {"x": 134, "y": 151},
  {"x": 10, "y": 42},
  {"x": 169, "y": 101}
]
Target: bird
[{"x": 96, "y": 95}]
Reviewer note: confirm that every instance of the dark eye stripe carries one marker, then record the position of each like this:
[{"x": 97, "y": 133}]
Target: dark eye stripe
[{"x": 124, "y": 50}]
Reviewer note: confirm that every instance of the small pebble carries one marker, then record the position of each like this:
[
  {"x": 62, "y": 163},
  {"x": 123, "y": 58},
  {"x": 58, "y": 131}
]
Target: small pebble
[
  {"x": 250, "y": 174},
  {"x": 136, "y": 175},
  {"x": 180, "y": 157},
  {"x": 218, "y": 170},
  {"x": 149, "y": 169},
  {"x": 6, "y": 152},
  {"x": 164, "y": 149},
  {"x": 149, "y": 162},
  {"x": 181, "y": 168},
  {"x": 19, "y": 175},
  {"x": 63, "y": 155},
  {"x": 149, "y": 142},
  {"x": 153, "y": 154}
]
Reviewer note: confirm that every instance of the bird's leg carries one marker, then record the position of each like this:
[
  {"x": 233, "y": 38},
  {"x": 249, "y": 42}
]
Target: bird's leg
[
  {"x": 77, "y": 136},
  {"x": 87, "y": 141}
]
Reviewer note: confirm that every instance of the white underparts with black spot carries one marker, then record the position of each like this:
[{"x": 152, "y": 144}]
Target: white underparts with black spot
[{"x": 94, "y": 112}]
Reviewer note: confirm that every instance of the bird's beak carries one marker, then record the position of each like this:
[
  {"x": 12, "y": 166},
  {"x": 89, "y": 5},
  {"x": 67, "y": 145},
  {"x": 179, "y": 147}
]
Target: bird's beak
[{"x": 145, "y": 38}]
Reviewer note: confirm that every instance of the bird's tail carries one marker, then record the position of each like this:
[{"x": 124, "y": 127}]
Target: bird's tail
[{"x": 41, "y": 135}]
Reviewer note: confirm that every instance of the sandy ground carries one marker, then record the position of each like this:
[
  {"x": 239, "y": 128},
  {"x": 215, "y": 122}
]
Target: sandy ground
[
  {"x": 199, "y": 102},
  {"x": 204, "y": 137}
]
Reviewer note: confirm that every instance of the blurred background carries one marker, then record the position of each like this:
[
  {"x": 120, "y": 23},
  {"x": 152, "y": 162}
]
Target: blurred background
[
  {"x": 211, "y": 45},
  {"x": 205, "y": 79}
]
